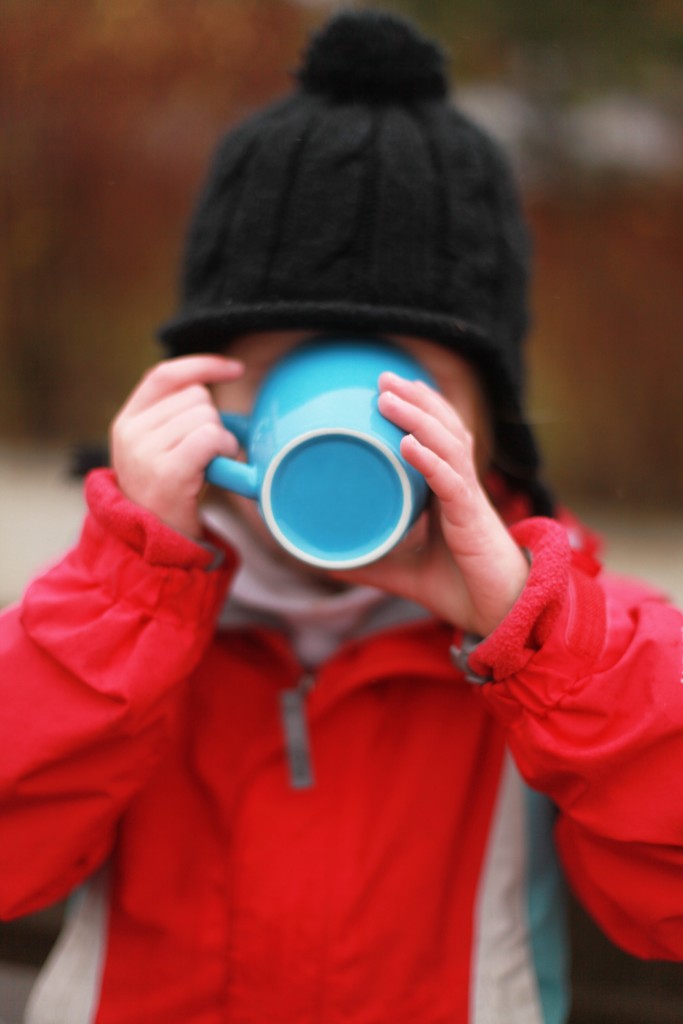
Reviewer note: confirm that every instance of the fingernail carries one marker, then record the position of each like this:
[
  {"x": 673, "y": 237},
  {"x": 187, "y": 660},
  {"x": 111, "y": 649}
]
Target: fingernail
[
  {"x": 388, "y": 376},
  {"x": 388, "y": 397}
]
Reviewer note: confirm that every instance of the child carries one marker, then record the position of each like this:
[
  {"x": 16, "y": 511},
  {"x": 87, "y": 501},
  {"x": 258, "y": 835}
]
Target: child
[{"x": 481, "y": 686}]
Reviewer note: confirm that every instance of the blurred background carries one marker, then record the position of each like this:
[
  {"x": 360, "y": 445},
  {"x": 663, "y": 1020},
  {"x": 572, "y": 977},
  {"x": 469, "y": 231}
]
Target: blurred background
[{"x": 109, "y": 112}]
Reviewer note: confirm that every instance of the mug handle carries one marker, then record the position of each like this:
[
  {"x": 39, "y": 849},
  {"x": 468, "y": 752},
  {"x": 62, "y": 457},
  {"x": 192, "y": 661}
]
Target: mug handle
[{"x": 230, "y": 474}]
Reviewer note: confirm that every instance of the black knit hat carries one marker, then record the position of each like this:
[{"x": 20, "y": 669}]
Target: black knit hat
[{"x": 366, "y": 202}]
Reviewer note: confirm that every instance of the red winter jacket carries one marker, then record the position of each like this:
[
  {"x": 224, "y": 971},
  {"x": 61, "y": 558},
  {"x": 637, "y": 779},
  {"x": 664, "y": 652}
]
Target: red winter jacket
[{"x": 134, "y": 735}]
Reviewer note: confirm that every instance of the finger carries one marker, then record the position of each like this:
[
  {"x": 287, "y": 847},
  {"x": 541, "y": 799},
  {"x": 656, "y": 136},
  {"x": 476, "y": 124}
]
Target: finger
[
  {"x": 156, "y": 428},
  {"x": 197, "y": 448},
  {"x": 420, "y": 393},
  {"x": 460, "y": 506},
  {"x": 447, "y": 484},
  {"x": 194, "y": 396},
  {"x": 171, "y": 432},
  {"x": 454, "y": 447},
  {"x": 172, "y": 375}
]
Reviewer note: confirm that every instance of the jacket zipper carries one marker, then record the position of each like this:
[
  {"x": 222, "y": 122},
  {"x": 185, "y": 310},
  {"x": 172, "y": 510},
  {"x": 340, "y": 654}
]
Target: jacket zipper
[{"x": 296, "y": 732}]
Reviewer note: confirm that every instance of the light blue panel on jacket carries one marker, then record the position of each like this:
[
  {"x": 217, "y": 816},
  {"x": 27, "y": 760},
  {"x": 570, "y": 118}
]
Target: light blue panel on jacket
[{"x": 547, "y": 910}]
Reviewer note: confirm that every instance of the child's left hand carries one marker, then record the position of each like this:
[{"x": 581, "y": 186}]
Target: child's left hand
[{"x": 459, "y": 561}]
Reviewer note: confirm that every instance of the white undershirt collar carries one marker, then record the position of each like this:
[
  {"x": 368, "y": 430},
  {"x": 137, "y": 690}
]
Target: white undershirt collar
[{"x": 267, "y": 589}]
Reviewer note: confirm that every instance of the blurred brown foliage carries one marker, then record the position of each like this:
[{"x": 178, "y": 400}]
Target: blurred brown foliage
[
  {"x": 607, "y": 348},
  {"x": 109, "y": 111}
]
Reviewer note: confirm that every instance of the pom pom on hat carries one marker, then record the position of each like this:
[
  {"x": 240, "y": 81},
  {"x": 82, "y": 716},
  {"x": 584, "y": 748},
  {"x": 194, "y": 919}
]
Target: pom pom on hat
[{"x": 373, "y": 56}]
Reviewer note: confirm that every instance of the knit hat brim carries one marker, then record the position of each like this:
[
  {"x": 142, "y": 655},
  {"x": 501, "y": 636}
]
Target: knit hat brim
[{"x": 211, "y": 329}]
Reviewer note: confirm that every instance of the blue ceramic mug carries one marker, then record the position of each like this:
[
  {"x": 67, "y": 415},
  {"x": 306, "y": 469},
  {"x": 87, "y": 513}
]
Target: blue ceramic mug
[{"x": 322, "y": 462}]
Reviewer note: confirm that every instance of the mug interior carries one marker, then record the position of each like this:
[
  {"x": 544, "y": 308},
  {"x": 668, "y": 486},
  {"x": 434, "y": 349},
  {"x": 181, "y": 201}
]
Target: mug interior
[{"x": 337, "y": 498}]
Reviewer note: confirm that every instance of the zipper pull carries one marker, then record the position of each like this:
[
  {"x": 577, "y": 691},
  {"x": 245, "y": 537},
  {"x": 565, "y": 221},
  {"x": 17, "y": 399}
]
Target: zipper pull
[{"x": 295, "y": 728}]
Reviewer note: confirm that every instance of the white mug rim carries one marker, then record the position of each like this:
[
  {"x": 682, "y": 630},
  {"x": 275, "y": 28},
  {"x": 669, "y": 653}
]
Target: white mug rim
[{"x": 301, "y": 553}]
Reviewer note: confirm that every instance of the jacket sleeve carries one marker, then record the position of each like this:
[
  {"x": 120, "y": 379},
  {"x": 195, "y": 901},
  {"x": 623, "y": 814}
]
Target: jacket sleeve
[
  {"x": 90, "y": 664},
  {"x": 587, "y": 677}
]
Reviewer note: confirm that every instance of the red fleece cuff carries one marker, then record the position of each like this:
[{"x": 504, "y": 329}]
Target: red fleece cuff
[
  {"x": 141, "y": 530},
  {"x": 531, "y": 620}
]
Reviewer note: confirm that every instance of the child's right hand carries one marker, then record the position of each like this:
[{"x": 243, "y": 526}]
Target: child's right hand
[{"x": 166, "y": 434}]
